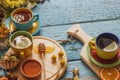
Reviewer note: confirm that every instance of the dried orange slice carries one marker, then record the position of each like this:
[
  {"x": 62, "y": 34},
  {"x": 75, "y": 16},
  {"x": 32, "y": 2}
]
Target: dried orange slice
[{"x": 109, "y": 74}]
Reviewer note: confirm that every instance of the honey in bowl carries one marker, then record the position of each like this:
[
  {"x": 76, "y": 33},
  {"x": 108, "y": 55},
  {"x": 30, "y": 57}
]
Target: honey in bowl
[{"x": 31, "y": 69}]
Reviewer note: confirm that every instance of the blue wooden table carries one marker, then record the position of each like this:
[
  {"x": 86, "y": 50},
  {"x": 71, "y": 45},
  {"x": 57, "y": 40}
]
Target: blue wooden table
[{"x": 94, "y": 16}]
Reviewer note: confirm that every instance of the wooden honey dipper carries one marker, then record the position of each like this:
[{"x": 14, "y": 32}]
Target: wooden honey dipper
[{"x": 42, "y": 49}]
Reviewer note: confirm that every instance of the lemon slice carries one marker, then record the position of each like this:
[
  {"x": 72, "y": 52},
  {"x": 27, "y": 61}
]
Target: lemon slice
[
  {"x": 49, "y": 48},
  {"x": 111, "y": 47},
  {"x": 109, "y": 74}
]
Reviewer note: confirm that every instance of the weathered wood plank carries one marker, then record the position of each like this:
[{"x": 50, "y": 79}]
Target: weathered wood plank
[
  {"x": 93, "y": 29},
  {"x": 56, "y": 12},
  {"x": 85, "y": 72}
]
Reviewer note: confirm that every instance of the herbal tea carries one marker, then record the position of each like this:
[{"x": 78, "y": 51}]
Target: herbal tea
[
  {"x": 21, "y": 41},
  {"x": 22, "y": 16}
]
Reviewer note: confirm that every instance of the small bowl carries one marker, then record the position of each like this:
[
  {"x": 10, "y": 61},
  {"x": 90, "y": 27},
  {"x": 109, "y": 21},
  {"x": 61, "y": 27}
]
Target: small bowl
[{"x": 31, "y": 69}]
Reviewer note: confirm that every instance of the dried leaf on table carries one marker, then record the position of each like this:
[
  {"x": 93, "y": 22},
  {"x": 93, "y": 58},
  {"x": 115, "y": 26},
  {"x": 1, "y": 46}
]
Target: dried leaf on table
[
  {"x": 72, "y": 48},
  {"x": 71, "y": 40}
]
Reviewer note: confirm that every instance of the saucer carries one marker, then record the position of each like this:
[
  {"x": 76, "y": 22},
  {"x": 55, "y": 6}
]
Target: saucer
[
  {"x": 98, "y": 63},
  {"x": 35, "y": 27},
  {"x": 94, "y": 55}
]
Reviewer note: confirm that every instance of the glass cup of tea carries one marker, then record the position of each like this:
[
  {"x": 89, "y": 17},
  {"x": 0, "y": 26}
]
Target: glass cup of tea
[
  {"x": 106, "y": 45},
  {"x": 23, "y": 18},
  {"x": 21, "y": 42}
]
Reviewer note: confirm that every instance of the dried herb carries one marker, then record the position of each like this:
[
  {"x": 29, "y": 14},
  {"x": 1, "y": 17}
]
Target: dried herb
[{"x": 70, "y": 39}]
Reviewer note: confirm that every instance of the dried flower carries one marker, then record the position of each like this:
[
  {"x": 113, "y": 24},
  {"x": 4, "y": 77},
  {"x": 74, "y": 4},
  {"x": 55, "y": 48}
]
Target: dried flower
[{"x": 10, "y": 5}]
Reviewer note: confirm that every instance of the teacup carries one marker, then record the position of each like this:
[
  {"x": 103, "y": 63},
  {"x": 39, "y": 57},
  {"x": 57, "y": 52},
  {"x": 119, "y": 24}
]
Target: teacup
[
  {"x": 21, "y": 42},
  {"x": 23, "y": 18},
  {"x": 106, "y": 45}
]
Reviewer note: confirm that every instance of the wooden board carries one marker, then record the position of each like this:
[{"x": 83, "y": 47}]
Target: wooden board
[
  {"x": 53, "y": 71},
  {"x": 84, "y": 38}
]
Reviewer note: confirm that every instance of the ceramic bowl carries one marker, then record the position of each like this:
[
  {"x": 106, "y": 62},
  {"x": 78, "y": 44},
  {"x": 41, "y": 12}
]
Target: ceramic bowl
[{"x": 31, "y": 69}]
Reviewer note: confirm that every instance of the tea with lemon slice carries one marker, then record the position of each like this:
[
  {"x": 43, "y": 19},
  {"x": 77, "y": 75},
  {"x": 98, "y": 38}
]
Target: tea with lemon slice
[
  {"x": 107, "y": 44},
  {"x": 111, "y": 47}
]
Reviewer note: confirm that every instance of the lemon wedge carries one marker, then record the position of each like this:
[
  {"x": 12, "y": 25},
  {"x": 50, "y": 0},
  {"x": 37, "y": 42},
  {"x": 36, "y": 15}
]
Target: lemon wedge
[
  {"x": 111, "y": 47},
  {"x": 49, "y": 48}
]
